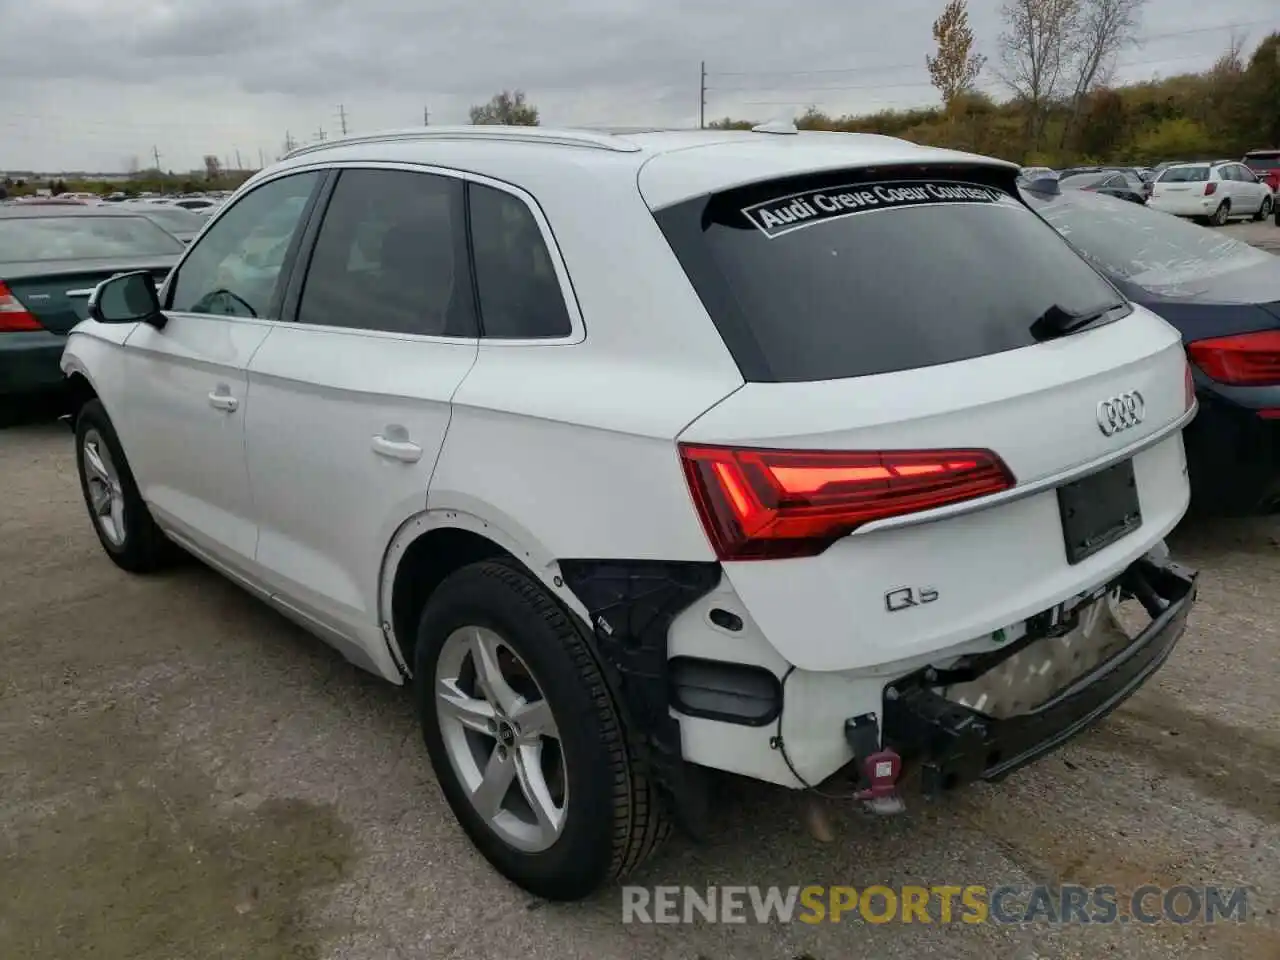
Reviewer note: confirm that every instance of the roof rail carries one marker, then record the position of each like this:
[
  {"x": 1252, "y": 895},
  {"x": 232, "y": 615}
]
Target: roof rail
[{"x": 564, "y": 138}]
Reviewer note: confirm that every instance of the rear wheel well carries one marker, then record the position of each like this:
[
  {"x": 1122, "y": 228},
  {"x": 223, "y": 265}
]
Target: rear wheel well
[{"x": 424, "y": 566}]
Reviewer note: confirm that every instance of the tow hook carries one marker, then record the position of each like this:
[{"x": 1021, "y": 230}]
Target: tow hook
[{"x": 878, "y": 768}]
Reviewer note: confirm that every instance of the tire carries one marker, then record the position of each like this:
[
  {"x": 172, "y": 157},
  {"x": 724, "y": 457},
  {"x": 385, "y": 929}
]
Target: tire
[
  {"x": 612, "y": 816},
  {"x": 137, "y": 545},
  {"x": 1264, "y": 210},
  {"x": 1221, "y": 215}
]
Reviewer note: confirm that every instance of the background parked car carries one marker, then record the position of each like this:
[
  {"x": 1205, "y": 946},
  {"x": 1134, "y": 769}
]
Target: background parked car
[
  {"x": 51, "y": 256},
  {"x": 183, "y": 224},
  {"x": 1265, "y": 165},
  {"x": 1114, "y": 183},
  {"x": 1216, "y": 191},
  {"x": 1224, "y": 297}
]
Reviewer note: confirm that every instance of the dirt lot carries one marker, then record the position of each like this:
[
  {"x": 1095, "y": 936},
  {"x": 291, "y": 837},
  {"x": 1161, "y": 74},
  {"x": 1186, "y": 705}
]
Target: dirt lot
[{"x": 185, "y": 775}]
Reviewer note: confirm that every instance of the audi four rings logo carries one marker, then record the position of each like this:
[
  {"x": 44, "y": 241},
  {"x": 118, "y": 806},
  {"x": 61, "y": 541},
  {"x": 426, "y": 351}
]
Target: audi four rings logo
[{"x": 1120, "y": 413}]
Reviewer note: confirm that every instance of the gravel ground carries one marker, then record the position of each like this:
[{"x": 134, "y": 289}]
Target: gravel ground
[
  {"x": 186, "y": 775},
  {"x": 1265, "y": 234}
]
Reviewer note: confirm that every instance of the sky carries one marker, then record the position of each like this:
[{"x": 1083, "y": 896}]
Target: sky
[{"x": 104, "y": 85}]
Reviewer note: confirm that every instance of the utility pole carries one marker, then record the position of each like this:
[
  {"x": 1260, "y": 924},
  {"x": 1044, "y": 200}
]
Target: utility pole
[
  {"x": 239, "y": 162},
  {"x": 702, "y": 98},
  {"x": 426, "y": 117},
  {"x": 342, "y": 118},
  {"x": 320, "y": 134},
  {"x": 289, "y": 142},
  {"x": 155, "y": 152},
  {"x": 261, "y": 160}
]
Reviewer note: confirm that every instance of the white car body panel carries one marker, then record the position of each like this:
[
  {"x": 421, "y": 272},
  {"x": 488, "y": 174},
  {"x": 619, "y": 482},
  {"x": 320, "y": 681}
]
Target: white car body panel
[
  {"x": 188, "y": 455},
  {"x": 327, "y": 500}
]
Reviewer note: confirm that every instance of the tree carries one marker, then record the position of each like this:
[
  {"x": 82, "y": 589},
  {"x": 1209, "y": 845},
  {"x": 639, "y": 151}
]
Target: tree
[
  {"x": 1102, "y": 29},
  {"x": 1262, "y": 92},
  {"x": 956, "y": 66},
  {"x": 212, "y": 167},
  {"x": 508, "y": 108},
  {"x": 1034, "y": 52}
]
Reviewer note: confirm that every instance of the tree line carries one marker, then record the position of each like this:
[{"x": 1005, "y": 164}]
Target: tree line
[{"x": 1056, "y": 59}]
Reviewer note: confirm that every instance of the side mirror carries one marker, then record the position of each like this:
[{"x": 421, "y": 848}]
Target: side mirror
[{"x": 127, "y": 298}]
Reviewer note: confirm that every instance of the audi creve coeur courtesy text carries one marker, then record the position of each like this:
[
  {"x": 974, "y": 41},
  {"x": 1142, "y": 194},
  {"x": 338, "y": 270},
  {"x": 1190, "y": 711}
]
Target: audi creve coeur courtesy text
[{"x": 642, "y": 455}]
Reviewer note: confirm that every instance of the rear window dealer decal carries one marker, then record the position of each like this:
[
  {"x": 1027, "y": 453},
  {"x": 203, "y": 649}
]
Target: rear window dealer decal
[{"x": 794, "y": 211}]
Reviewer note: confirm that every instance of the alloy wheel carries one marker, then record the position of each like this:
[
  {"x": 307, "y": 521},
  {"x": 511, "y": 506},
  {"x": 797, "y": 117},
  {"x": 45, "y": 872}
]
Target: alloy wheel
[
  {"x": 105, "y": 493},
  {"x": 501, "y": 738}
]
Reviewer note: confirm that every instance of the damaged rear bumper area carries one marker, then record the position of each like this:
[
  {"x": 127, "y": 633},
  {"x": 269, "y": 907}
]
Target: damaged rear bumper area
[{"x": 952, "y": 743}]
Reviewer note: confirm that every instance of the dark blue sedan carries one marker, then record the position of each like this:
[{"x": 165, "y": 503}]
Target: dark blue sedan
[{"x": 1224, "y": 297}]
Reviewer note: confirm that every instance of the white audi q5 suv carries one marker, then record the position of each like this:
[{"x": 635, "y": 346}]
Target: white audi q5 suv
[{"x": 789, "y": 455}]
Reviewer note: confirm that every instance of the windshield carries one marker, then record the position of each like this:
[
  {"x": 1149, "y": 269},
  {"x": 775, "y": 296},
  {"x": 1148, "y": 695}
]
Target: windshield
[
  {"x": 833, "y": 276},
  {"x": 1150, "y": 248},
  {"x": 83, "y": 238},
  {"x": 1185, "y": 175}
]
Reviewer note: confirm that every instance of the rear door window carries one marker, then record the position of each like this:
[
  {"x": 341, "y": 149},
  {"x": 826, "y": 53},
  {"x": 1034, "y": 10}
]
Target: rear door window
[{"x": 833, "y": 277}]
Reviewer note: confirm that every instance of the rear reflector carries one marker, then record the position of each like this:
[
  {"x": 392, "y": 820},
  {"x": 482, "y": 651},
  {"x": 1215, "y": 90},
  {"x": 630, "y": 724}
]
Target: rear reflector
[
  {"x": 1247, "y": 360},
  {"x": 13, "y": 315},
  {"x": 768, "y": 504}
]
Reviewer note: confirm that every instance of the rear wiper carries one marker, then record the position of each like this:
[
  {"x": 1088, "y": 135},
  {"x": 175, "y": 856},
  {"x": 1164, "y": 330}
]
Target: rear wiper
[{"x": 1058, "y": 321}]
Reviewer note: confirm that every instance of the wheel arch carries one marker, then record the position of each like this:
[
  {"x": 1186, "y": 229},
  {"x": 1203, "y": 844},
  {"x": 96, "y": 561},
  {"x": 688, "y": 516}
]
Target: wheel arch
[{"x": 430, "y": 545}]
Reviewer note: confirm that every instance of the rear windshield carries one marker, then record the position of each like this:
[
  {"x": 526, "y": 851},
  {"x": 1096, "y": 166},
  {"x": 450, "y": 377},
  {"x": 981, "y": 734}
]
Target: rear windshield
[
  {"x": 1150, "y": 248},
  {"x": 832, "y": 277},
  {"x": 82, "y": 238},
  {"x": 1263, "y": 161},
  {"x": 1185, "y": 175}
]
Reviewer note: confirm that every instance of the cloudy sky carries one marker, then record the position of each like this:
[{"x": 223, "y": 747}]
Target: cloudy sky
[{"x": 101, "y": 84}]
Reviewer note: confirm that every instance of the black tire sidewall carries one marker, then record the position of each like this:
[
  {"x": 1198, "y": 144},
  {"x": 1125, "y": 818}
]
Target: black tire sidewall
[
  {"x": 1222, "y": 215},
  {"x": 487, "y": 595}
]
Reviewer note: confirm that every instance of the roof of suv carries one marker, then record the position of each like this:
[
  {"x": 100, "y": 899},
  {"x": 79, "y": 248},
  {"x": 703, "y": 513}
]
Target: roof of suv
[{"x": 676, "y": 164}]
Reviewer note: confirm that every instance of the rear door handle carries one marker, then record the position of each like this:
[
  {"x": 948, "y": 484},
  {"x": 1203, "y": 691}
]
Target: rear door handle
[
  {"x": 403, "y": 450},
  {"x": 223, "y": 401}
]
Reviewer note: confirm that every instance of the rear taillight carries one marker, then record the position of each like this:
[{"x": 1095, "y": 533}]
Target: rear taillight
[
  {"x": 1210, "y": 189},
  {"x": 13, "y": 315},
  {"x": 1246, "y": 360},
  {"x": 768, "y": 504}
]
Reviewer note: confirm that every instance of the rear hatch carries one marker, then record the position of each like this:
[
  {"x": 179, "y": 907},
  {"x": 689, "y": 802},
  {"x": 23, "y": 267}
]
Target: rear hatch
[
  {"x": 1265, "y": 165},
  {"x": 1184, "y": 183},
  {"x": 916, "y": 346},
  {"x": 57, "y": 292}
]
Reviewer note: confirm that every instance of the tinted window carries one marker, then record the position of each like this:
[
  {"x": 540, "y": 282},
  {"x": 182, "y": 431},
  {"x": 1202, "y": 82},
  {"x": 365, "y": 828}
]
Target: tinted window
[
  {"x": 1244, "y": 174},
  {"x": 857, "y": 278},
  {"x": 391, "y": 255},
  {"x": 1150, "y": 248},
  {"x": 82, "y": 238},
  {"x": 1185, "y": 175},
  {"x": 520, "y": 295},
  {"x": 234, "y": 268},
  {"x": 1264, "y": 161}
]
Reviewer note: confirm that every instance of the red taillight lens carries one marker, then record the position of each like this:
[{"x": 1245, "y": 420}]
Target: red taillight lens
[
  {"x": 1210, "y": 189},
  {"x": 13, "y": 315},
  {"x": 768, "y": 504},
  {"x": 1247, "y": 360}
]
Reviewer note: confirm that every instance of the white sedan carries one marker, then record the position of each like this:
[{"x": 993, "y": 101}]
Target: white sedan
[{"x": 1215, "y": 191}]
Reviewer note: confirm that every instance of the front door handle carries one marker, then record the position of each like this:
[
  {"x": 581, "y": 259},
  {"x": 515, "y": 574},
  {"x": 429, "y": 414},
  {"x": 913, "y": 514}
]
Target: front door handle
[
  {"x": 403, "y": 450},
  {"x": 223, "y": 401}
]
